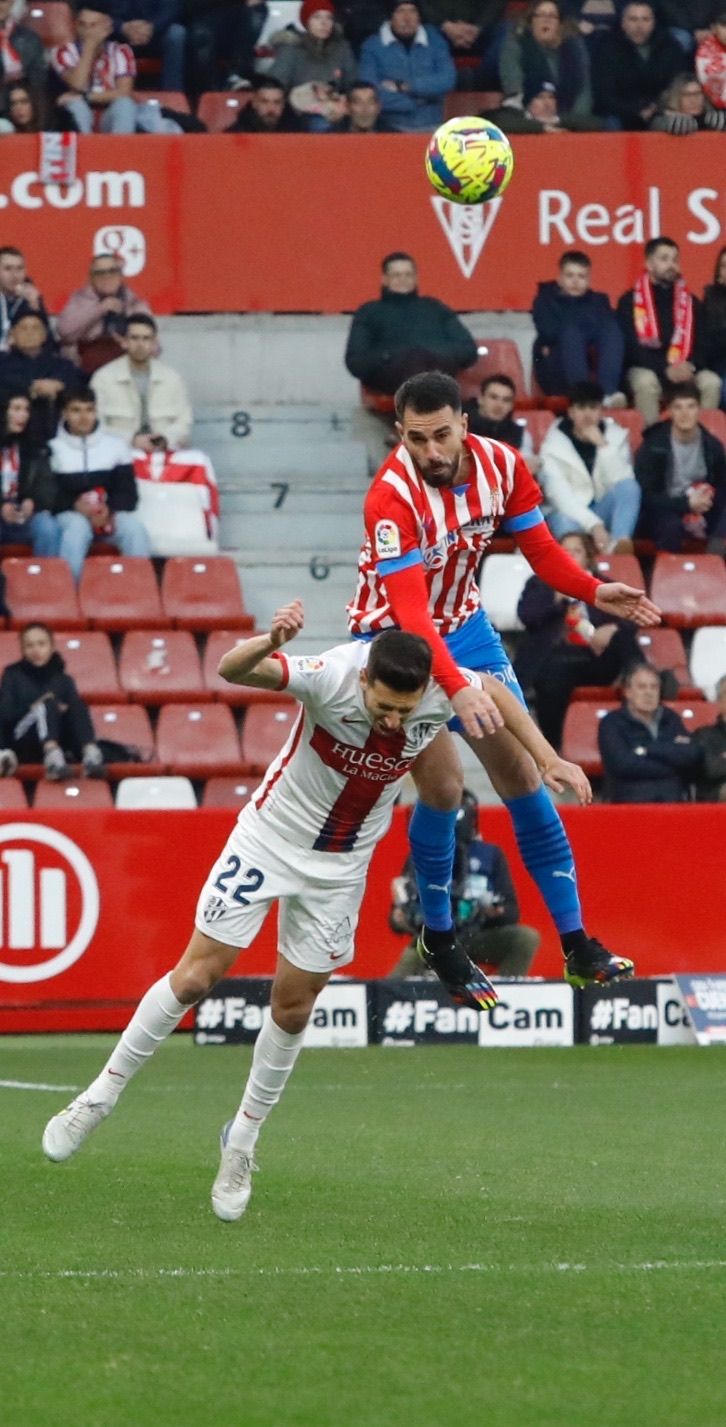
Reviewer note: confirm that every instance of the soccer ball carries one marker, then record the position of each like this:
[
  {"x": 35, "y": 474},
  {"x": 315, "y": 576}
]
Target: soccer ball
[{"x": 469, "y": 160}]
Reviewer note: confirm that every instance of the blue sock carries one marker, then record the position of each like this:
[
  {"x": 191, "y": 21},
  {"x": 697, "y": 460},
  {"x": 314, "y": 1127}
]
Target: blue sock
[
  {"x": 432, "y": 836},
  {"x": 547, "y": 855}
]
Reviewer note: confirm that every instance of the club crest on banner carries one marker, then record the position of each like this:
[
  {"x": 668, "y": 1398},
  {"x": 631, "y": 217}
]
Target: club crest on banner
[{"x": 467, "y": 228}]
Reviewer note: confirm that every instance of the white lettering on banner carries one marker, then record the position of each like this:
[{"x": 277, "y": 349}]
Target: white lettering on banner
[
  {"x": 96, "y": 190},
  {"x": 340, "y": 1017},
  {"x": 528, "y": 1015},
  {"x": 594, "y": 224},
  {"x": 467, "y": 228},
  {"x": 711, "y": 226},
  {"x": 34, "y": 901}
]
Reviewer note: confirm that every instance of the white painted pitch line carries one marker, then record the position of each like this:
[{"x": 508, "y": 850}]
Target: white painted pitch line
[
  {"x": 363, "y": 1270},
  {"x": 36, "y": 1085}
]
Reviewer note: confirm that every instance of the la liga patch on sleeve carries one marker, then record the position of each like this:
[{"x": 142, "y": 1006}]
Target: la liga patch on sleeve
[{"x": 387, "y": 539}]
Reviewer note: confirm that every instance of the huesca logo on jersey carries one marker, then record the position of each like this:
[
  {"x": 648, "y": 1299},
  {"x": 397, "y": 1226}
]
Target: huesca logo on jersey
[{"x": 388, "y": 539}]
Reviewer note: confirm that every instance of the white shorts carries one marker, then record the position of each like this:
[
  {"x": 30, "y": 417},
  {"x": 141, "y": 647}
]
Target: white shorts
[{"x": 319, "y": 894}]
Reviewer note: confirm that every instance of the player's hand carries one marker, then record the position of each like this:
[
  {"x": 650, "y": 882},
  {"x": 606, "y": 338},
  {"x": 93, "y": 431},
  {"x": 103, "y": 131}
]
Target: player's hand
[
  {"x": 560, "y": 774},
  {"x": 627, "y": 603},
  {"x": 286, "y": 623},
  {"x": 477, "y": 711}
]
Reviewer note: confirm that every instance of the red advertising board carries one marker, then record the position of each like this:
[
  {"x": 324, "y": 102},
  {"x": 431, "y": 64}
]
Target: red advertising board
[
  {"x": 94, "y": 906},
  {"x": 291, "y": 223}
]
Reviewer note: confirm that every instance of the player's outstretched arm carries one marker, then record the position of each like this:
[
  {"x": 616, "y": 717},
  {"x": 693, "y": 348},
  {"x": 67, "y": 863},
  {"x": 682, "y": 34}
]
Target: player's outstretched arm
[
  {"x": 249, "y": 662},
  {"x": 556, "y": 772},
  {"x": 627, "y": 602}
]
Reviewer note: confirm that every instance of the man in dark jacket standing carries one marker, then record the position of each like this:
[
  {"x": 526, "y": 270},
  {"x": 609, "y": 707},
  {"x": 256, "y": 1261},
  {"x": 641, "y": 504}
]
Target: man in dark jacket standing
[
  {"x": 632, "y": 66},
  {"x": 42, "y": 715},
  {"x": 402, "y": 333},
  {"x": 681, "y": 469},
  {"x": 578, "y": 337},
  {"x": 647, "y": 755}
]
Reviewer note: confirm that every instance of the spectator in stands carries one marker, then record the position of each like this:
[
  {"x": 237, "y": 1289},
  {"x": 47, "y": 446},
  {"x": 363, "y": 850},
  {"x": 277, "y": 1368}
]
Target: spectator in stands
[
  {"x": 632, "y": 66},
  {"x": 28, "y": 112},
  {"x": 711, "y": 745},
  {"x": 151, "y": 28},
  {"x": 578, "y": 336},
  {"x": 363, "y": 112},
  {"x": 43, "y": 718},
  {"x": 93, "y": 321},
  {"x": 543, "y": 49},
  {"x": 586, "y": 471},
  {"x": 31, "y": 368},
  {"x": 402, "y": 333},
  {"x": 97, "y": 75},
  {"x": 711, "y": 60},
  {"x": 681, "y": 468},
  {"x": 540, "y": 115},
  {"x": 688, "y": 20},
  {"x": 220, "y": 44},
  {"x": 140, "y": 398},
  {"x": 714, "y": 318},
  {"x": 567, "y": 644},
  {"x": 317, "y": 66},
  {"x": 411, "y": 66},
  {"x": 28, "y": 489},
  {"x": 663, "y": 330},
  {"x": 96, "y": 490},
  {"x": 490, "y": 414},
  {"x": 684, "y": 109},
  {"x": 472, "y": 28},
  {"x": 268, "y": 111},
  {"x": 648, "y": 757},
  {"x": 18, "y": 293},
  {"x": 361, "y": 18},
  {"x": 21, "y": 52},
  {"x": 483, "y": 902}
]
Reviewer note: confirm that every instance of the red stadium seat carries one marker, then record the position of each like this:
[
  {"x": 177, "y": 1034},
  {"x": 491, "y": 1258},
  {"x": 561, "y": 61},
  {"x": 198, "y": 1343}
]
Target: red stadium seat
[
  {"x": 89, "y": 660},
  {"x": 128, "y": 724},
  {"x": 12, "y": 796},
  {"x": 264, "y": 732},
  {"x": 165, "y": 98},
  {"x": 715, "y": 422},
  {"x": 378, "y": 401},
  {"x": 462, "y": 102},
  {"x": 42, "y": 589},
  {"x": 538, "y": 424},
  {"x": 696, "y": 713},
  {"x": 203, "y": 593},
  {"x": 226, "y": 792},
  {"x": 579, "y": 738},
  {"x": 632, "y": 421},
  {"x": 496, "y": 354},
  {"x": 218, "y": 642},
  {"x": 51, "y": 20},
  {"x": 9, "y": 648},
  {"x": 690, "y": 589},
  {"x": 199, "y": 740},
  {"x": 161, "y": 667},
  {"x": 664, "y": 649},
  {"x": 218, "y": 110},
  {"x": 85, "y": 793},
  {"x": 620, "y": 567},
  {"x": 121, "y": 593}
]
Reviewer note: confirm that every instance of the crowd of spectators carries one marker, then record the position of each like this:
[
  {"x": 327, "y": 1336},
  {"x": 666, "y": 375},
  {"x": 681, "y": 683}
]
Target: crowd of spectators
[{"x": 562, "y": 64}]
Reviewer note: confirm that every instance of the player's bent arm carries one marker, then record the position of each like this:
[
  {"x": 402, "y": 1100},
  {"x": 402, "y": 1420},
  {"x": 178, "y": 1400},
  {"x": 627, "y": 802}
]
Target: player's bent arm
[
  {"x": 555, "y": 771},
  {"x": 251, "y": 663}
]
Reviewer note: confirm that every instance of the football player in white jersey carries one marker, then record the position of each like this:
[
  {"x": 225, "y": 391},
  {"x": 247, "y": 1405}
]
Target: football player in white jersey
[{"x": 304, "y": 840}]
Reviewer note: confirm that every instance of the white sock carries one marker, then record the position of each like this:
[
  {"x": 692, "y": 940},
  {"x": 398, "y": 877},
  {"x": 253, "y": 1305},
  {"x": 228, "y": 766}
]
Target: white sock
[
  {"x": 275, "y": 1054},
  {"x": 156, "y": 1016}
]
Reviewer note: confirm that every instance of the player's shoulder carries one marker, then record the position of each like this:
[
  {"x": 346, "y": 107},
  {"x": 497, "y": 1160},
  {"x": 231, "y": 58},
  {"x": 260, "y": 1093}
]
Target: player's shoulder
[
  {"x": 330, "y": 668},
  {"x": 394, "y": 481}
]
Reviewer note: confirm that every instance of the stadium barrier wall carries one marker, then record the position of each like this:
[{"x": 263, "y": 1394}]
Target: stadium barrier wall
[
  {"x": 237, "y": 223},
  {"x": 96, "y": 905}
]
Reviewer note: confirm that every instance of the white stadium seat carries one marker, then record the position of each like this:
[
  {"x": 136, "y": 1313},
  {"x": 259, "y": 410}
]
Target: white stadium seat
[
  {"x": 174, "y": 516},
  {"x": 149, "y": 794},
  {"x": 503, "y": 578},
  {"x": 708, "y": 658}
]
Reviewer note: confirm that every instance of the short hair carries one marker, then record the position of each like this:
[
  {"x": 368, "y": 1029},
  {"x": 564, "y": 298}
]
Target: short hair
[
  {"x": 427, "y": 392},
  {"x": 85, "y": 395},
  {"x": 363, "y": 84},
  {"x": 23, "y": 317},
  {"x": 585, "y": 394},
  {"x": 396, "y": 258},
  {"x": 37, "y": 624},
  {"x": 502, "y": 379},
  {"x": 687, "y": 391},
  {"x": 266, "y": 81},
  {"x": 638, "y": 668},
  {"x": 399, "y": 660},
  {"x": 577, "y": 258},
  {"x": 653, "y": 244},
  {"x": 6, "y": 250},
  {"x": 144, "y": 319},
  {"x": 646, "y": 4}
]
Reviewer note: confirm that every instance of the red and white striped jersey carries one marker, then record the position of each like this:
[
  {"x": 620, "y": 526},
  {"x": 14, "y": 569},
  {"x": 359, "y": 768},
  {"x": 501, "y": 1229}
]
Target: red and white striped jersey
[
  {"x": 448, "y": 530},
  {"x": 113, "y": 62},
  {"x": 191, "y": 466},
  {"x": 333, "y": 786}
]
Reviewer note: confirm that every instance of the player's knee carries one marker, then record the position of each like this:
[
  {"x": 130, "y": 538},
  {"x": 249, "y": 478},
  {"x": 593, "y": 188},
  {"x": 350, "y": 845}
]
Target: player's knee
[
  {"x": 443, "y": 791},
  {"x": 291, "y": 1008},
  {"x": 195, "y": 978}
]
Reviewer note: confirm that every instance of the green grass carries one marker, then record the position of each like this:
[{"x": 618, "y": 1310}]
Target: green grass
[{"x": 518, "y": 1161}]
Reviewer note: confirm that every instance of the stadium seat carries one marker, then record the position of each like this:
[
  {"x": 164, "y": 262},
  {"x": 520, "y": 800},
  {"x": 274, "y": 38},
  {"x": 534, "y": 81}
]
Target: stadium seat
[
  {"x": 84, "y": 793},
  {"x": 174, "y": 517},
  {"x": 12, "y": 796},
  {"x": 715, "y": 422},
  {"x": 9, "y": 648},
  {"x": 218, "y": 110},
  {"x": 42, "y": 589},
  {"x": 462, "y": 102},
  {"x": 121, "y": 593},
  {"x": 664, "y": 649},
  {"x": 51, "y": 20},
  {"x": 226, "y": 792},
  {"x": 155, "y": 794},
  {"x": 579, "y": 736},
  {"x": 502, "y": 580},
  {"x": 632, "y": 421},
  {"x": 128, "y": 724},
  {"x": 161, "y": 667},
  {"x": 218, "y": 642},
  {"x": 165, "y": 98},
  {"x": 199, "y": 740},
  {"x": 620, "y": 567},
  {"x": 690, "y": 589},
  {"x": 203, "y": 594},
  {"x": 708, "y": 659},
  {"x": 696, "y": 713},
  {"x": 496, "y": 354},
  {"x": 378, "y": 401},
  {"x": 265, "y": 730},
  {"x": 89, "y": 660},
  {"x": 538, "y": 424}
]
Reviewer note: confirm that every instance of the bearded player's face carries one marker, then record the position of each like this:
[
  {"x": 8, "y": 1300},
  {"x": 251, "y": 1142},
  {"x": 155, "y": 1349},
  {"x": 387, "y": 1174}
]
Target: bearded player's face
[{"x": 435, "y": 440}]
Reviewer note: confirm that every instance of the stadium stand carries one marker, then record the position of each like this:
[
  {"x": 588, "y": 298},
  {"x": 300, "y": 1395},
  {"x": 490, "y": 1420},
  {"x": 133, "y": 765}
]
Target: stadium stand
[
  {"x": 120, "y": 594},
  {"x": 218, "y": 110},
  {"x": 496, "y": 355},
  {"x": 198, "y": 740},
  {"x": 72, "y": 795},
  {"x": 42, "y": 590},
  {"x": 129, "y": 725},
  {"x": 155, "y": 794},
  {"x": 160, "y": 667},
  {"x": 708, "y": 659},
  {"x": 52, "y": 21},
  {"x": 227, "y": 792},
  {"x": 202, "y": 594},
  {"x": 12, "y": 796},
  {"x": 579, "y": 737},
  {"x": 690, "y": 589},
  {"x": 89, "y": 659},
  {"x": 503, "y": 578},
  {"x": 265, "y": 730}
]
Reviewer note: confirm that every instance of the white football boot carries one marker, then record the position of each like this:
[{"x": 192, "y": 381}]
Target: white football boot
[
  {"x": 233, "y": 1186},
  {"x": 65, "y": 1133}
]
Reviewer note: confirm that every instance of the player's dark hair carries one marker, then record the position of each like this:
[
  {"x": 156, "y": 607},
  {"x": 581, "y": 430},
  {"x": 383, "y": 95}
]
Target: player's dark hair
[
  {"x": 585, "y": 394},
  {"x": 141, "y": 319},
  {"x": 653, "y": 244},
  {"x": 400, "y": 661},
  {"x": 501, "y": 379},
  {"x": 83, "y": 394},
  {"x": 429, "y": 391},
  {"x": 396, "y": 258},
  {"x": 574, "y": 256},
  {"x": 683, "y": 389}
]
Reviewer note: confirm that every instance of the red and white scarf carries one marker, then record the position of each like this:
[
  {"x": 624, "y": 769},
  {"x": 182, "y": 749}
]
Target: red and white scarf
[
  {"x": 10, "y": 472},
  {"x": 646, "y": 319}
]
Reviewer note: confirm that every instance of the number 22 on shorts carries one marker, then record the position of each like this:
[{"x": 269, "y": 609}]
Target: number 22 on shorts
[{"x": 251, "y": 881}]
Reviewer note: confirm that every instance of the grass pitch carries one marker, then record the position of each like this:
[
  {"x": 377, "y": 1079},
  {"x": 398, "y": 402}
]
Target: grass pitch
[{"x": 440, "y": 1236}]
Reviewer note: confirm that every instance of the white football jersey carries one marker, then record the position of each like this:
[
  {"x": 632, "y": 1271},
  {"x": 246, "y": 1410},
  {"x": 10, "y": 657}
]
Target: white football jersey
[{"x": 333, "y": 786}]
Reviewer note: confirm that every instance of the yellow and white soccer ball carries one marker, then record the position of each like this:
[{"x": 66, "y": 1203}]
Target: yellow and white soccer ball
[{"x": 469, "y": 160}]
